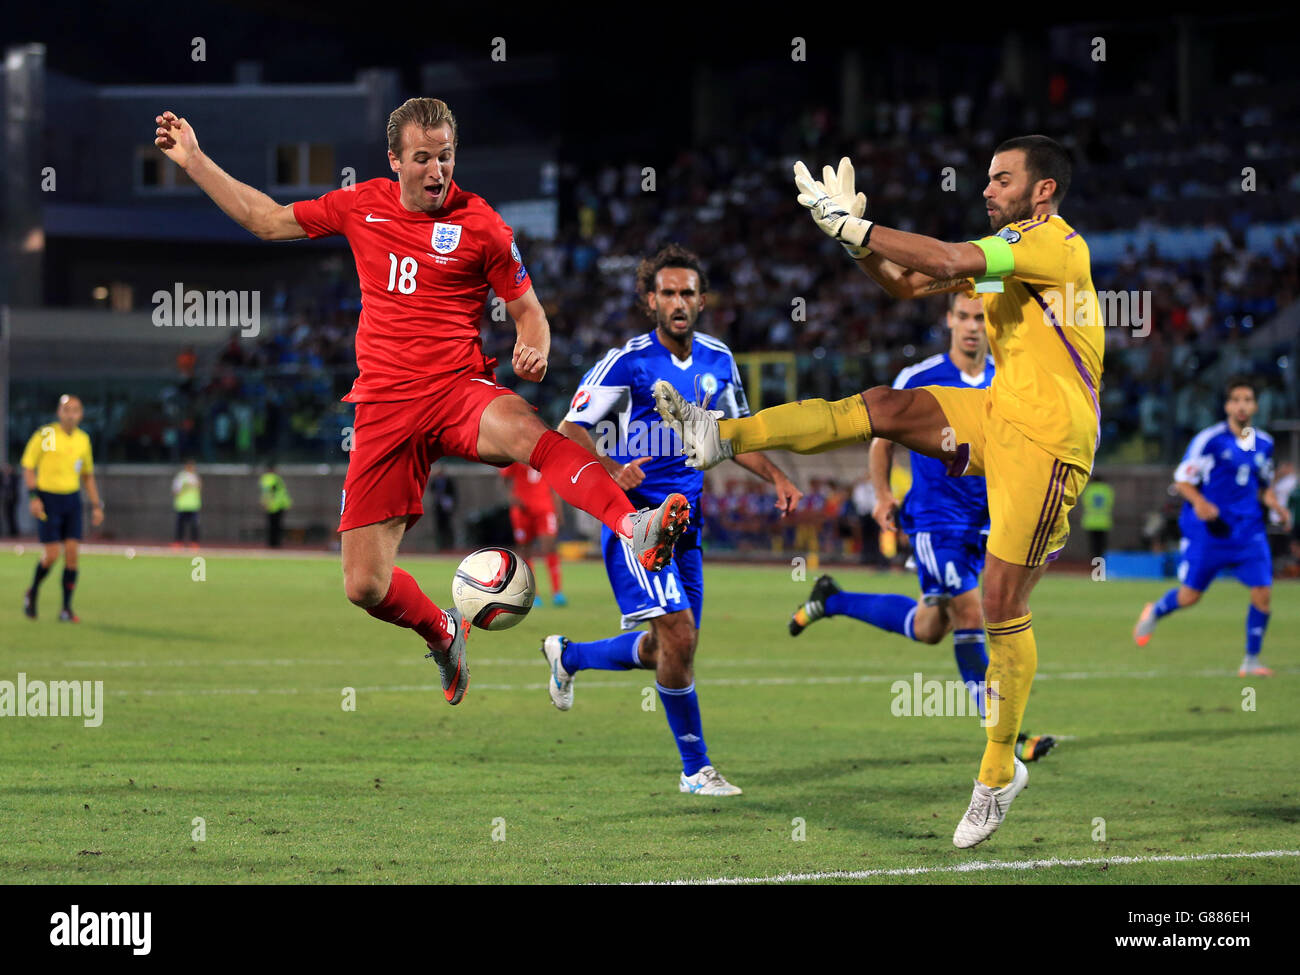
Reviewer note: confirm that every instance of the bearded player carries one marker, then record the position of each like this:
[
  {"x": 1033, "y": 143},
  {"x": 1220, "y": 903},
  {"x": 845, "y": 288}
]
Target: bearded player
[
  {"x": 427, "y": 253},
  {"x": 946, "y": 519},
  {"x": 1032, "y": 434},
  {"x": 616, "y": 394}
]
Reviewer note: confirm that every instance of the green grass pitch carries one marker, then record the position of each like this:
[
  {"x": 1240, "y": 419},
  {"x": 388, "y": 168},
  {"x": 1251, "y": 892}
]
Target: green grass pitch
[{"x": 223, "y": 701}]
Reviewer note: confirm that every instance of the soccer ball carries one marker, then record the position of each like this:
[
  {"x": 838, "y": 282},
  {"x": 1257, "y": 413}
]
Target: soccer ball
[{"x": 493, "y": 588}]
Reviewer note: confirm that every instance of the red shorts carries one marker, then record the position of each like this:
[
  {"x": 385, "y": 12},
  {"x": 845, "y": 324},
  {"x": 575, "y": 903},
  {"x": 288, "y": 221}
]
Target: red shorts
[
  {"x": 530, "y": 524},
  {"x": 396, "y": 444}
]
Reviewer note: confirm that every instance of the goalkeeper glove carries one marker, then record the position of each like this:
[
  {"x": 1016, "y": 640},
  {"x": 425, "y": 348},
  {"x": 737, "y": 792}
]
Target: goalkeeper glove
[{"x": 835, "y": 205}]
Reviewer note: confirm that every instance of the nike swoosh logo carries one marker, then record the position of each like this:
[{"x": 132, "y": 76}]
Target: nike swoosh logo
[
  {"x": 574, "y": 479},
  {"x": 371, "y": 218}
]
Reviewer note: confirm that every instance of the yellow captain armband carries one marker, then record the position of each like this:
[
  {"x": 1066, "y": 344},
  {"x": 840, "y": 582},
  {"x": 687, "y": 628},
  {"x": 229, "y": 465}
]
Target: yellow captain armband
[{"x": 999, "y": 262}]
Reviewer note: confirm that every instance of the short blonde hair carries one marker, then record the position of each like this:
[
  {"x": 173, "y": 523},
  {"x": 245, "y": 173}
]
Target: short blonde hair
[{"x": 427, "y": 113}]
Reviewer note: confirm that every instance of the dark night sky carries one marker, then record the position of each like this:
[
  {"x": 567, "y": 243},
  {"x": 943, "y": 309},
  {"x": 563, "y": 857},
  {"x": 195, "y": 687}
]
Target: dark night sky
[
  {"x": 623, "y": 73},
  {"x": 122, "y": 42},
  {"x": 117, "y": 41}
]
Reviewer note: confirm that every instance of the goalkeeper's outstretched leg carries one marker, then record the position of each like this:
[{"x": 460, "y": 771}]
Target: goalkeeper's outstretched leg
[{"x": 910, "y": 417}]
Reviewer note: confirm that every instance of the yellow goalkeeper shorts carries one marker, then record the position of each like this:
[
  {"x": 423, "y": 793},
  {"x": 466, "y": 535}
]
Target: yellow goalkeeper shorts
[{"x": 1030, "y": 492}]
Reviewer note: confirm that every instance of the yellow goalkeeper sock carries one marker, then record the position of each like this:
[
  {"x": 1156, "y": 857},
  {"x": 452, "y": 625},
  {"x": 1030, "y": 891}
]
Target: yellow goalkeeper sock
[
  {"x": 1013, "y": 659},
  {"x": 806, "y": 427}
]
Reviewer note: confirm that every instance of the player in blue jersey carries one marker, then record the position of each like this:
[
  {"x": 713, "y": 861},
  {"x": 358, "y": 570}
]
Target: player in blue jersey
[
  {"x": 613, "y": 414},
  {"x": 947, "y": 520},
  {"x": 1226, "y": 480}
]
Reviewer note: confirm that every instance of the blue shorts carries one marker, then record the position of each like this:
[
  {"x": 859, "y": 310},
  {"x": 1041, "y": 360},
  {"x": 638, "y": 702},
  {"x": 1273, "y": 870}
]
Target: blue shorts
[
  {"x": 1200, "y": 560},
  {"x": 948, "y": 563},
  {"x": 643, "y": 595}
]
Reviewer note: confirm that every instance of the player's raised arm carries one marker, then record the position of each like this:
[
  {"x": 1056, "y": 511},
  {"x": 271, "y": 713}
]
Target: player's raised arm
[
  {"x": 932, "y": 266},
  {"x": 902, "y": 283},
  {"x": 906, "y": 265},
  {"x": 250, "y": 208},
  {"x": 533, "y": 336}
]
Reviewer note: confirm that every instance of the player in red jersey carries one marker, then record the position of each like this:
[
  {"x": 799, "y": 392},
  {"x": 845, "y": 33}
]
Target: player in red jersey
[
  {"x": 532, "y": 516},
  {"x": 427, "y": 252}
]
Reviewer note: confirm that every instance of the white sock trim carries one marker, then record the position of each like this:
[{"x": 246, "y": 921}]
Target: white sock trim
[{"x": 908, "y": 620}]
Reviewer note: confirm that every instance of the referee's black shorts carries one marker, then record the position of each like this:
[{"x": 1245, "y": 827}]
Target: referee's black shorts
[{"x": 62, "y": 517}]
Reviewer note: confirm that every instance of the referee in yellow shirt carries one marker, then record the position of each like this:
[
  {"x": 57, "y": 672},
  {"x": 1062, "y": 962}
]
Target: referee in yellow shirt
[{"x": 56, "y": 463}]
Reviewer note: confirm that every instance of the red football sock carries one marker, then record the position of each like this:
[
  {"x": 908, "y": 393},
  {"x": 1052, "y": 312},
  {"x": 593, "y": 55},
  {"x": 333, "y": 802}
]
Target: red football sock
[
  {"x": 553, "y": 567},
  {"x": 406, "y": 605},
  {"x": 578, "y": 477}
]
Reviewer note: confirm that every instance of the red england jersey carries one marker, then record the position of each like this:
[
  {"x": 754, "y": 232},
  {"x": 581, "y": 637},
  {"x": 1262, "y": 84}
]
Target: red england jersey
[
  {"x": 531, "y": 491},
  {"x": 424, "y": 282}
]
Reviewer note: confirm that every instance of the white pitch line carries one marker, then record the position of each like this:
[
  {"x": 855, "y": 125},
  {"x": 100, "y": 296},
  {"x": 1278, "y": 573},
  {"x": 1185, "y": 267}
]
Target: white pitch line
[
  {"x": 199, "y": 662},
  {"x": 530, "y": 663},
  {"x": 974, "y": 866},
  {"x": 209, "y": 691},
  {"x": 155, "y": 550},
  {"x": 163, "y": 551},
  {"x": 385, "y": 689},
  {"x": 715, "y": 682}
]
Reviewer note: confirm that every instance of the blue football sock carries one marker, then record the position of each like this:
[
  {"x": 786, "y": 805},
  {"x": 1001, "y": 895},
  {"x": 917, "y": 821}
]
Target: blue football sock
[
  {"x": 682, "y": 708},
  {"x": 616, "y": 653},
  {"x": 892, "y": 613},
  {"x": 972, "y": 662},
  {"x": 1167, "y": 603},
  {"x": 1256, "y": 624}
]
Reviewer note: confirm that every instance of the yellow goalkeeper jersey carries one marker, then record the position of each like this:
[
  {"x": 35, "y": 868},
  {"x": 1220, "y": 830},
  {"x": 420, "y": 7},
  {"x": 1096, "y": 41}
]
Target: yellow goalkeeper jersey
[
  {"x": 58, "y": 458},
  {"x": 1046, "y": 335}
]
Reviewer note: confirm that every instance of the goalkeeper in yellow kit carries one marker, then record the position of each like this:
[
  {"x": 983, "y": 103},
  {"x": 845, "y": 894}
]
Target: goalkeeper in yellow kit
[{"x": 1032, "y": 434}]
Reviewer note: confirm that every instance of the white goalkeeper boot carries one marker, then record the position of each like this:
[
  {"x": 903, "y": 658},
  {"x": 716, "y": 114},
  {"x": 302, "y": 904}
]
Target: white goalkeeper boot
[
  {"x": 697, "y": 427},
  {"x": 988, "y": 807}
]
